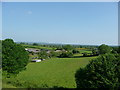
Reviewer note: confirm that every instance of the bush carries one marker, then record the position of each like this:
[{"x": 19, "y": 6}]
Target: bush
[
  {"x": 43, "y": 55},
  {"x": 66, "y": 55},
  {"x": 53, "y": 54},
  {"x": 95, "y": 52},
  {"x": 85, "y": 54},
  {"x": 68, "y": 47},
  {"x": 75, "y": 51},
  {"x": 102, "y": 72}
]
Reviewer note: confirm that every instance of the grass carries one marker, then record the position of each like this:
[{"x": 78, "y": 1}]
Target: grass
[
  {"x": 6, "y": 85},
  {"x": 37, "y": 47},
  {"x": 88, "y": 51},
  {"x": 82, "y": 50},
  {"x": 54, "y": 72}
]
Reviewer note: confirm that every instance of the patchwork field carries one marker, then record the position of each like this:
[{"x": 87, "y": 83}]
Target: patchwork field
[{"x": 54, "y": 72}]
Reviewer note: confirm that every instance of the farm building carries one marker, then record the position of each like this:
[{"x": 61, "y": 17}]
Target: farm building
[
  {"x": 36, "y": 60},
  {"x": 32, "y": 50},
  {"x": 58, "y": 51}
]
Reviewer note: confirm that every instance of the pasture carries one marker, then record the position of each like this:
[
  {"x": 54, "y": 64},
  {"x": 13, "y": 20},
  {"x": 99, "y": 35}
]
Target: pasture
[
  {"x": 37, "y": 47},
  {"x": 51, "y": 73}
]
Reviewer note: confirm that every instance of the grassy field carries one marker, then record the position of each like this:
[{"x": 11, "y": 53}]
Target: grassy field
[
  {"x": 37, "y": 47},
  {"x": 54, "y": 72},
  {"x": 88, "y": 51}
]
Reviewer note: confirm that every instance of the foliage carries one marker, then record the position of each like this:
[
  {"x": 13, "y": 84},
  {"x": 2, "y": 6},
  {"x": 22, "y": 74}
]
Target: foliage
[
  {"x": 43, "y": 55},
  {"x": 66, "y": 55},
  {"x": 95, "y": 52},
  {"x": 103, "y": 72},
  {"x": 119, "y": 49},
  {"x": 14, "y": 57},
  {"x": 75, "y": 51},
  {"x": 85, "y": 54},
  {"x": 0, "y": 54},
  {"x": 116, "y": 50},
  {"x": 67, "y": 47},
  {"x": 35, "y": 44},
  {"x": 53, "y": 54},
  {"x": 104, "y": 49}
]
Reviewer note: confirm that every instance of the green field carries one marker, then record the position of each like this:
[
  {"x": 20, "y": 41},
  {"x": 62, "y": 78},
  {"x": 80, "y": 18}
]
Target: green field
[
  {"x": 83, "y": 51},
  {"x": 54, "y": 72},
  {"x": 37, "y": 47}
]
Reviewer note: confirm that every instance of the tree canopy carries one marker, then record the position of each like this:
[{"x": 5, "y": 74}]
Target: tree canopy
[
  {"x": 67, "y": 47},
  {"x": 104, "y": 49},
  {"x": 0, "y": 54},
  {"x": 66, "y": 55},
  {"x": 14, "y": 57},
  {"x": 43, "y": 55},
  {"x": 102, "y": 72}
]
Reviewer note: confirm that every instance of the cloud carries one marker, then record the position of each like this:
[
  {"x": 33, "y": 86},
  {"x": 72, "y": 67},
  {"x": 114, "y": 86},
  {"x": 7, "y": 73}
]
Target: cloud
[{"x": 29, "y": 12}]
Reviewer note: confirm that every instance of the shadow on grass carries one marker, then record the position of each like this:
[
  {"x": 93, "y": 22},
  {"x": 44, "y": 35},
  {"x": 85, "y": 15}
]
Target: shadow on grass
[
  {"x": 77, "y": 56},
  {"x": 58, "y": 88},
  {"x": 83, "y": 56}
]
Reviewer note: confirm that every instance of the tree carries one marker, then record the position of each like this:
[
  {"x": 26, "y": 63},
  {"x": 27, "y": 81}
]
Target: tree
[
  {"x": 14, "y": 57},
  {"x": 43, "y": 55},
  {"x": 67, "y": 47},
  {"x": 35, "y": 44},
  {"x": 102, "y": 72},
  {"x": 53, "y": 54},
  {"x": 95, "y": 52},
  {"x": 104, "y": 49},
  {"x": 116, "y": 49},
  {"x": 85, "y": 54},
  {"x": 75, "y": 51},
  {"x": 66, "y": 55},
  {"x": 0, "y": 54}
]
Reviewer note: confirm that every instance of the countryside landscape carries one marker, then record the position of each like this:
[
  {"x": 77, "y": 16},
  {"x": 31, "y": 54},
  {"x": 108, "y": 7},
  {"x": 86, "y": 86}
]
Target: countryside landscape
[{"x": 59, "y": 45}]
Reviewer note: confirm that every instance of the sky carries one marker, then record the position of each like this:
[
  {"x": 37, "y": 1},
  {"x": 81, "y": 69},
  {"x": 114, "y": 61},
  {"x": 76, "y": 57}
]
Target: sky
[{"x": 87, "y": 23}]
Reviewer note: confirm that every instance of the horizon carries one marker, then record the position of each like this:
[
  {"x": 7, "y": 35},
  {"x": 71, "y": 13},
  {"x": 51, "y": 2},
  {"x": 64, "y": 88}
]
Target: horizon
[
  {"x": 64, "y": 43},
  {"x": 88, "y": 23}
]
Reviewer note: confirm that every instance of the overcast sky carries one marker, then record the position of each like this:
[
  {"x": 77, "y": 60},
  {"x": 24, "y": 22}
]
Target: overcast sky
[{"x": 92, "y": 23}]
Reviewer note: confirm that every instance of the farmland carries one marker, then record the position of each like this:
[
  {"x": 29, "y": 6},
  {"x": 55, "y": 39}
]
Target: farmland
[
  {"x": 54, "y": 71},
  {"x": 51, "y": 73},
  {"x": 57, "y": 67},
  {"x": 38, "y": 47}
]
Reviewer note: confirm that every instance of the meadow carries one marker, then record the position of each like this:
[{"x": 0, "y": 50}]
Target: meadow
[
  {"x": 37, "y": 47},
  {"x": 51, "y": 73}
]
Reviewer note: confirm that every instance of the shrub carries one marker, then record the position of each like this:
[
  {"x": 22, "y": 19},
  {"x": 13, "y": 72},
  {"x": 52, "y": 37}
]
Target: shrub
[
  {"x": 85, "y": 54},
  {"x": 75, "y": 51},
  {"x": 95, "y": 52},
  {"x": 66, "y": 55},
  {"x": 53, "y": 54},
  {"x": 102, "y": 72},
  {"x": 43, "y": 55},
  {"x": 68, "y": 47}
]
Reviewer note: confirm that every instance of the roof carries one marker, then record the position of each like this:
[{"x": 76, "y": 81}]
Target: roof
[
  {"x": 32, "y": 50},
  {"x": 39, "y": 60}
]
